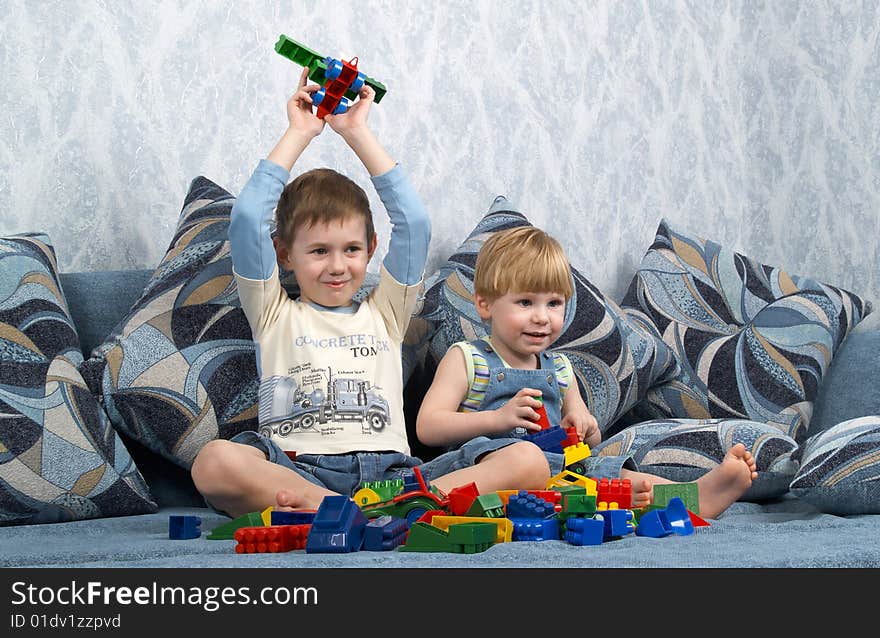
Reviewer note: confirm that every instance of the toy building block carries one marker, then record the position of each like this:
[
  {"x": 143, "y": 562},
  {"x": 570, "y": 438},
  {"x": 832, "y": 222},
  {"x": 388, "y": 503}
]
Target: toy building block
[
  {"x": 426, "y": 538},
  {"x": 673, "y": 519},
  {"x": 687, "y": 492},
  {"x": 471, "y": 538},
  {"x": 525, "y": 529},
  {"x": 428, "y": 517},
  {"x": 568, "y": 478},
  {"x": 503, "y": 526},
  {"x": 384, "y": 533},
  {"x": 378, "y": 491},
  {"x": 341, "y": 80},
  {"x": 584, "y": 531},
  {"x": 298, "y": 517},
  {"x": 617, "y": 522},
  {"x": 615, "y": 491},
  {"x": 461, "y": 498},
  {"x": 579, "y": 505},
  {"x": 549, "y": 440},
  {"x": 488, "y": 505},
  {"x": 338, "y": 526},
  {"x": 226, "y": 531},
  {"x": 575, "y": 456},
  {"x": 571, "y": 437},
  {"x": 266, "y": 516},
  {"x": 270, "y": 540},
  {"x": 543, "y": 419},
  {"x": 525, "y": 505},
  {"x": 184, "y": 527}
]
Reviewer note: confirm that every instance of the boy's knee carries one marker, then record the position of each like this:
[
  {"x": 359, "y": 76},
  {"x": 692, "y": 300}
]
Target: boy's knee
[
  {"x": 531, "y": 460},
  {"x": 214, "y": 460}
]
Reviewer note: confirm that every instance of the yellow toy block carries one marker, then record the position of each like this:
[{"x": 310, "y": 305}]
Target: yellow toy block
[
  {"x": 565, "y": 477},
  {"x": 504, "y": 525},
  {"x": 266, "y": 515},
  {"x": 575, "y": 453}
]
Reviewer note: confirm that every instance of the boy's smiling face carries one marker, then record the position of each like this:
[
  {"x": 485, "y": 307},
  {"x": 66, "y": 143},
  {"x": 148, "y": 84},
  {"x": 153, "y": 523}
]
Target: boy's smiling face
[
  {"x": 523, "y": 324},
  {"x": 329, "y": 260}
]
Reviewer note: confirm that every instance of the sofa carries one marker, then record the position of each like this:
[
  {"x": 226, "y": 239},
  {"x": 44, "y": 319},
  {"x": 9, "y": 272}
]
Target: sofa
[{"x": 139, "y": 368}]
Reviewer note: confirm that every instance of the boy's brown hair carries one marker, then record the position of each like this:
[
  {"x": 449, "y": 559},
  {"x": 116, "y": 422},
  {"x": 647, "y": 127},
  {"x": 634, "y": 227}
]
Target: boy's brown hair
[
  {"x": 522, "y": 259},
  {"x": 321, "y": 195}
]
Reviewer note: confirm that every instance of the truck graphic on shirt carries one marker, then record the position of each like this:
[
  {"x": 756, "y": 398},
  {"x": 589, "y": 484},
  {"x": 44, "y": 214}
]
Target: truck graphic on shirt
[{"x": 285, "y": 408}]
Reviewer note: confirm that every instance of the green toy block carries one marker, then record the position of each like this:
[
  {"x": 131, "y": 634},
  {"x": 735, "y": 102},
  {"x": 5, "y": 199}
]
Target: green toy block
[
  {"x": 423, "y": 537},
  {"x": 487, "y": 506},
  {"x": 472, "y": 538},
  {"x": 578, "y": 504},
  {"x": 226, "y": 531},
  {"x": 386, "y": 490},
  {"x": 687, "y": 492}
]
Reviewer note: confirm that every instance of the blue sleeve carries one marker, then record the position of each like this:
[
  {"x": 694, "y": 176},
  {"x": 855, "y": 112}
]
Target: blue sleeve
[
  {"x": 410, "y": 226},
  {"x": 250, "y": 222}
]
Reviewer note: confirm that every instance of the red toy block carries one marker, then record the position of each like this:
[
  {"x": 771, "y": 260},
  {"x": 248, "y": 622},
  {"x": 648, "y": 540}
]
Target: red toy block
[
  {"x": 573, "y": 438},
  {"x": 615, "y": 491},
  {"x": 273, "y": 539},
  {"x": 543, "y": 421},
  {"x": 462, "y": 497}
]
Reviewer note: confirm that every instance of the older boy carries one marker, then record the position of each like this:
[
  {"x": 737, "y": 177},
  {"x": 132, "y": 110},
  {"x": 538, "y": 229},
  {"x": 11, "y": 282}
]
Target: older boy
[{"x": 333, "y": 365}]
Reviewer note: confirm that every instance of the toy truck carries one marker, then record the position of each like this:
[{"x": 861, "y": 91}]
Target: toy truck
[{"x": 284, "y": 407}]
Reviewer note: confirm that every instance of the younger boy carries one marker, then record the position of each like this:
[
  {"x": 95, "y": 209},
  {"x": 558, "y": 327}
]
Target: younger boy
[
  {"x": 488, "y": 387},
  {"x": 331, "y": 391}
]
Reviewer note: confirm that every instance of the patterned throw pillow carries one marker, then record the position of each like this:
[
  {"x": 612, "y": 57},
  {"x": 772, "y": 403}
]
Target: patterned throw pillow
[
  {"x": 179, "y": 369},
  {"x": 685, "y": 449},
  {"x": 616, "y": 356},
  {"x": 752, "y": 341},
  {"x": 840, "y": 468},
  {"x": 60, "y": 460}
]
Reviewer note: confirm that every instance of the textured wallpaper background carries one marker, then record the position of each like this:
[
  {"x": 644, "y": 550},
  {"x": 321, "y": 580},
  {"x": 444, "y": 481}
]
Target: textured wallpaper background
[{"x": 753, "y": 123}]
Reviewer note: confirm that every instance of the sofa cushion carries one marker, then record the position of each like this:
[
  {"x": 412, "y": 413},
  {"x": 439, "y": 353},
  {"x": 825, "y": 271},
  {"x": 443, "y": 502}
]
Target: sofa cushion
[
  {"x": 846, "y": 393},
  {"x": 179, "y": 369},
  {"x": 685, "y": 449},
  {"x": 60, "y": 459},
  {"x": 616, "y": 356},
  {"x": 752, "y": 341},
  {"x": 840, "y": 468}
]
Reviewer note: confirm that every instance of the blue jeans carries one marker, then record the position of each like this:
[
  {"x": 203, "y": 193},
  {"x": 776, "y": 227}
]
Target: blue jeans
[{"x": 344, "y": 473}]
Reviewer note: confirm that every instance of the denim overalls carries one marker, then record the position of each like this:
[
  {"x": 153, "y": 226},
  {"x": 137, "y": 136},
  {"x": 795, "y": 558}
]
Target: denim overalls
[{"x": 504, "y": 383}]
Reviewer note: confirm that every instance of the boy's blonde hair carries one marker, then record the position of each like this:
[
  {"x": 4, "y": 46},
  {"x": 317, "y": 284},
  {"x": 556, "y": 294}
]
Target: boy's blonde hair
[
  {"x": 321, "y": 195},
  {"x": 522, "y": 259}
]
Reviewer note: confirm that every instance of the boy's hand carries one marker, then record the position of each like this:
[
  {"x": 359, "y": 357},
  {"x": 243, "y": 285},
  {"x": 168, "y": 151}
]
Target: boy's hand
[
  {"x": 586, "y": 425},
  {"x": 299, "y": 108},
  {"x": 520, "y": 411},
  {"x": 356, "y": 117}
]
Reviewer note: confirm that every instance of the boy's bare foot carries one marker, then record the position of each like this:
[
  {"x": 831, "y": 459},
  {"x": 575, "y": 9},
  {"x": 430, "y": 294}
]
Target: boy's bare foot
[
  {"x": 723, "y": 485},
  {"x": 308, "y": 499}
]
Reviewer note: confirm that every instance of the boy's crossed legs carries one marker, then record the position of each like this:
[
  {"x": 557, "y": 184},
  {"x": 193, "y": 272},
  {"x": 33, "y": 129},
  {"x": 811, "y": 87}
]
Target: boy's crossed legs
[{"x": 238, "y": 478}]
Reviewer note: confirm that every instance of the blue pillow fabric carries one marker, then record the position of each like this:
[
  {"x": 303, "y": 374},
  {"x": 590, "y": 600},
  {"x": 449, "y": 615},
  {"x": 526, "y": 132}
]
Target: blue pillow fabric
[
  {"x": 751, "y": 341},
  {"x": 60, "y": 459},
  {"x": 840, "y": 468}
]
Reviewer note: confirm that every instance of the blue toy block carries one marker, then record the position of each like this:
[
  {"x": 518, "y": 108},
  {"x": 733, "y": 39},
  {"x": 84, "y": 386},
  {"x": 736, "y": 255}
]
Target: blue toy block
[
  {"x": 184, "y": 527},
  {"x": 545, "y": 529},
  {"x": 525, "y": 505},
  {"x": 617, "y": 522},
  {"x": 550, "y": 440},
  {"x": 384, "y": 533},
  {"x": 584, "y": 531},
  {"x": 292, "y": 518},
  {"x": 338, "y": 526},
  {"x": 654, "y": 524},
  {"x": 673, "y": 519}
]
